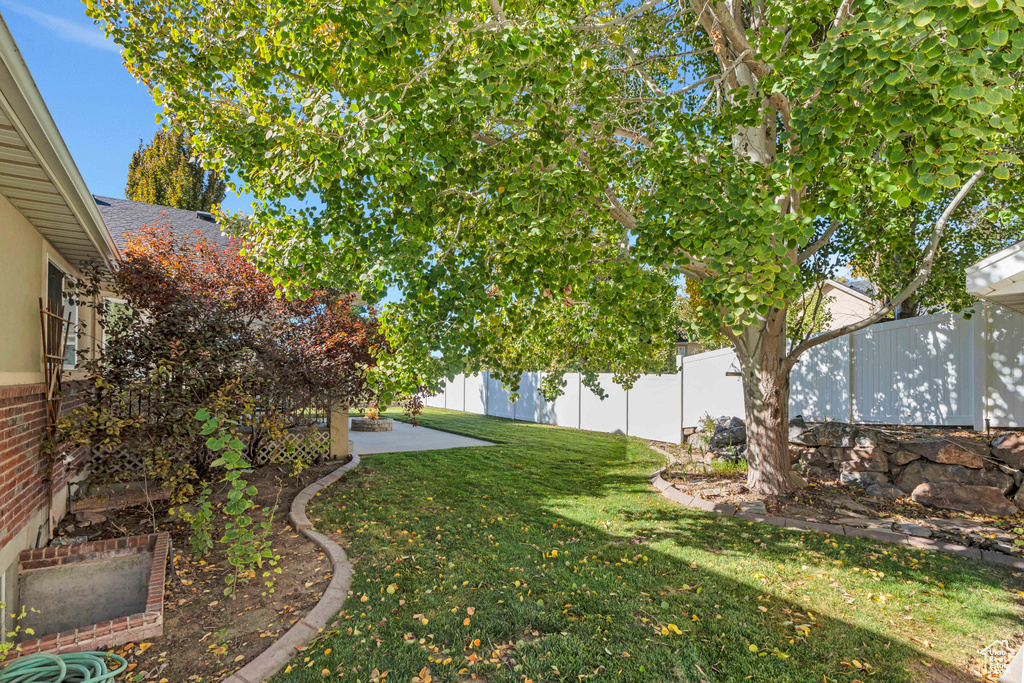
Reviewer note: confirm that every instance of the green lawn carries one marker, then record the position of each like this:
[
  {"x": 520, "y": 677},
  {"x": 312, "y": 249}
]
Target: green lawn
[{"x": 574, "y": 569}]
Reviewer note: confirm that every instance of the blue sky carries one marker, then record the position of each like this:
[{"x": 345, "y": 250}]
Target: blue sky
[
  {"x": 101, "y": 111},
  {"x": 99, "y": 108}
]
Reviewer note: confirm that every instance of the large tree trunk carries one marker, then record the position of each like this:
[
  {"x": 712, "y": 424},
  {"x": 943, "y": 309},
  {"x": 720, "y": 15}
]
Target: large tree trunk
[
  {"x": 761, "y": 354},
  {"x": 909, "y": 308}
]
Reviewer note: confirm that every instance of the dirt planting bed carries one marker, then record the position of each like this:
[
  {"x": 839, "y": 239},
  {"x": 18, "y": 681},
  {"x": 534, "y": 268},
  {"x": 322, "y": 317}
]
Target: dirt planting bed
[{"x": 208, "y": 635}]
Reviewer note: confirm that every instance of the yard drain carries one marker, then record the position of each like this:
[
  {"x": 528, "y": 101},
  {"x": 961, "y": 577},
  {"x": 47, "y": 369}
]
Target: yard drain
[{"x": 74, "y": 667}]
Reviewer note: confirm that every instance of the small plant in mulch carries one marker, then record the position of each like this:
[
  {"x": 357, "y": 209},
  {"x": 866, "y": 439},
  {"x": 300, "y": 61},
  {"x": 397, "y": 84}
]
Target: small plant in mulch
[
  {"x": 14, "y": 631},
  {"x": 248, "y": 548},
  {"x": 207, "y": 636}
]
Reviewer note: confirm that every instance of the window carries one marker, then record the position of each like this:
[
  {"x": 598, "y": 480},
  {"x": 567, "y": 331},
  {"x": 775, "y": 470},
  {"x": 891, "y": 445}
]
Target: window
[
  {"x": 114, "y": 310},
  {"x": 59, "y": 288}
]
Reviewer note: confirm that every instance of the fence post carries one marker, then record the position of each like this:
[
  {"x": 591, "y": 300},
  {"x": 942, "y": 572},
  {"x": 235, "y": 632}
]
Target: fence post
[
  {"x": 979, "y": 337},
  {"x": 849, "y": 378},
  {"x": 579, "y": 401},
  {"x": 627, "y": 412},
  {"x": 682, "y": 395},
  {"x": 339, "y": 432}
]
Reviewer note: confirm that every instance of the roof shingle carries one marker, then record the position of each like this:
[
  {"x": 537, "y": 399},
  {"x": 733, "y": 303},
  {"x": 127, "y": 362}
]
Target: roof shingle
[{"x": 124, "y": 216}]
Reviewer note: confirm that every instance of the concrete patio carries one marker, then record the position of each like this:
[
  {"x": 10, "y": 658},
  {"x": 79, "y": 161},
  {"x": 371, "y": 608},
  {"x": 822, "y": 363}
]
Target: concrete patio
[{"x": 405, "y": 438}]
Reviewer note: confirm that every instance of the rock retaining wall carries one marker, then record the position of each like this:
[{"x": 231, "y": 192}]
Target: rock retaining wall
[{"x": 949, "y": 472}]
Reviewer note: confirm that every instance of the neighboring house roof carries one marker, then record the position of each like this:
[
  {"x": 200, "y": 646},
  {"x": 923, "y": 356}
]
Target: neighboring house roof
[
  {"x": 37, "y": 174},
  {"x": 862, "y": 286},
  {"x": 124, "y": 216},
  {"x": 854, "y": 288},
  {"x": 1000, "y": 278}
]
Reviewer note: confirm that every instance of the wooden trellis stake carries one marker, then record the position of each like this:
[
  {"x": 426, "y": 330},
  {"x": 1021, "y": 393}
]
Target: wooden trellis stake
[{"x": 55, "y": 330}]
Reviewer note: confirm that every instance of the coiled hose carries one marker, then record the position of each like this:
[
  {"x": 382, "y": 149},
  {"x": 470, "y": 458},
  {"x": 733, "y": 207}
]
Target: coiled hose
[{"x": 73, "y": 667}]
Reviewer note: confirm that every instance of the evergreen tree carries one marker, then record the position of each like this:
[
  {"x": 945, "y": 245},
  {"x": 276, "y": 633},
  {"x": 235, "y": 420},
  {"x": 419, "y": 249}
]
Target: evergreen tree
[{"x": 165, "y": 172}]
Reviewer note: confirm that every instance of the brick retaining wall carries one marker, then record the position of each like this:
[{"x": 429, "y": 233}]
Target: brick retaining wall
[{"x": 113, "y": 632}]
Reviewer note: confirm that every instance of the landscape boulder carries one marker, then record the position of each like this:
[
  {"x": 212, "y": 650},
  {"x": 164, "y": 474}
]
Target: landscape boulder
[
  {"x": 836, "y": 434},
  {"x": 1009, "y": 449},
  {"x": 924, "y": 471},
  {"x": 902, "y": 457},
  {"x": 814, "y": 472},
  {"x": 728, "y": 437},
  {"x": 727, "y": 422},
  {"x": 871, "y": 459},
  {"x": 806, "y": 438},
  {"x": 890, "y": 446},
  {"x": 797, "y": 426},
  {"x": 817, "y": 457},
  {"x": 949, "y": 450},
  {"x": 885, "y": 490},
  {"x": 867, "y": 438},
  {"x": 984, "y": 500},
  {"x": 698, "y": 442},
  {"x": 863, "y": 479}
]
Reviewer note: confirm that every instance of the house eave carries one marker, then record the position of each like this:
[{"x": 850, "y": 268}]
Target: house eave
[
  {"x": 999, "y": 278},
  {"x": 37, "y": 173}
]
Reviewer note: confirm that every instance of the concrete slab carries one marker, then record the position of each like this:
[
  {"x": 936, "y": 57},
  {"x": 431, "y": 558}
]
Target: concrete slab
[
  {"x": 405, "y": 438},
  {"x": 1015, "y": 672},
  {"x": 69, "y": 596}
]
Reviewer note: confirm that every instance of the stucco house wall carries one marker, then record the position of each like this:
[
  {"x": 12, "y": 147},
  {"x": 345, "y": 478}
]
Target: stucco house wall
[
  {"x": 25, "y": 258},
  {"x": 47, "y": 216},
  {"x": 846, "y": 305}
]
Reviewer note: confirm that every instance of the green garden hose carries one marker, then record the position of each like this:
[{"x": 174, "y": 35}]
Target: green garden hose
[{"x": 73, "y": 667}]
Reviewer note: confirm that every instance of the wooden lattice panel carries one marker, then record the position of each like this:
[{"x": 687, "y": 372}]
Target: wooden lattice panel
[
  {"x": 122, "y": 459},
  {"x": 299, "y": 446},
  {"x": 126, "y": 461}
]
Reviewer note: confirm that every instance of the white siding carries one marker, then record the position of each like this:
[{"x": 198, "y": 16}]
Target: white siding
[
  {"x": 608, "y": 415},
  {"x": 497, "y": 399},
  {"x": 528, "y": 407},
  {"x": 707, "y": 389},
  {"x": 654, "y": 407},
  {"x": 435, "y": 401},
  {"x": 565, "y": 410},
  {"x": 476, "y": 396},
  {"x": 455, "y": 394},
  {"x": 931, "y": 370},
  {"x": 820, "y": 382},
  {"x": 1004, "y": 398},
  {"x": 915, "y": 371}
]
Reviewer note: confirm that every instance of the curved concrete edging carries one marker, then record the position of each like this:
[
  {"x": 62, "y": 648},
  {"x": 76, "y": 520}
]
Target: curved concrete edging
[
  {"x": 275, "y": 657},
  {"x": 673, "y": 494}
]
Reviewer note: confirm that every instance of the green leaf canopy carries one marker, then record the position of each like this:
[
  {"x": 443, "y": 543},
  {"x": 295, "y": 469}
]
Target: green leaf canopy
[{"x": 535, "y": 176}]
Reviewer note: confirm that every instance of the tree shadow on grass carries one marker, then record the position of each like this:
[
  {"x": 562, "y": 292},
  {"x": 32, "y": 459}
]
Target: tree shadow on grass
[{"x": 578, "y": 571}]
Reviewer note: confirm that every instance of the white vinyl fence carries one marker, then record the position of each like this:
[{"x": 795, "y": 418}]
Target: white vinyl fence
[{"x": 932, "y": 370}]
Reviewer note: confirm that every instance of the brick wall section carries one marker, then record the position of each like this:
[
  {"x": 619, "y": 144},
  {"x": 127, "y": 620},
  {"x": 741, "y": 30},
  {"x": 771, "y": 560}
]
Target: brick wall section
[
  {"x": 105, "y": 634},
  {"x": 23, "y": 470}
]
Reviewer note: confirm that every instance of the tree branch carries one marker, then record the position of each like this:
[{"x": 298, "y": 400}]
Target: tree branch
[
  {"x": 498, "y": 12},
  {"x": 736, "y": 35},
  {"x": 816, "y": 246},
  {"x": 603, "y": 26},
  {"x": 844, "y": 12},
  {"x": 620, "y": 213},
  {"x": 636, "y": 62},
  {"x": 922, "y": 274}
]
